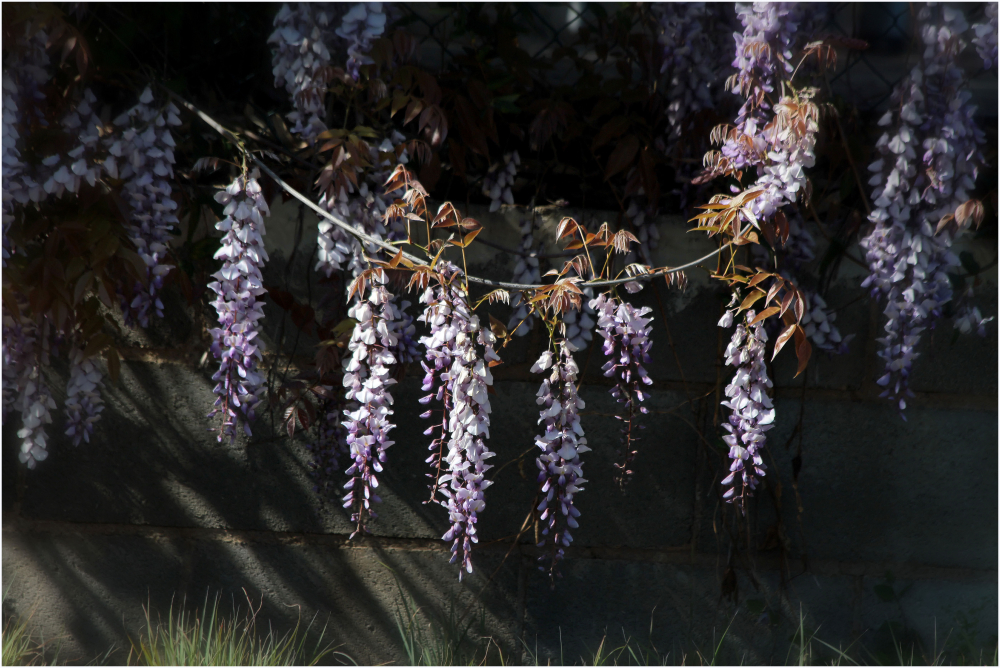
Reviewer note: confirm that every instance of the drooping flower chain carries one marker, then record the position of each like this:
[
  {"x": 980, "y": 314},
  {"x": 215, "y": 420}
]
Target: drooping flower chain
[
  {"x": 526, "y": 271},
  {"x": 752, "y": 410},
  {"x": 928, "y": 160},
  {"x": 763, "y": 58},
  {"x": 363, "y": 23},
  {"x": 367, "y": 379},
  {"x": 562, "y": 443},
  {"x": 468, "y": 430},
  {"x": 444, "y": 313},
  {"x": 83, "y": 397},
  {"x": 301, "y": 62},
  {"x": 498, "y": 180},
  {"x": 985, "y": 38},
  {"x": 238, "y": 285},
  {"x": 626, "y": 332},
  {"x": 145, "y": 148}
]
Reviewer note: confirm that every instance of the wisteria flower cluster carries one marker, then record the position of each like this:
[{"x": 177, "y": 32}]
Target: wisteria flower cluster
[
  {"x": 498, "y": 180},
  {"x": 329, "y": 447},
  {"x": 526, "y": 271},
  {"x": 24, "y": 389},
  {"x": 763, "y": 57},
  {"x": 23, "y": 77},
  {"x": 367, "y": 378},
  {"x": 693, "y": 69},
  {"x": 986, "y": 36},
  {"x": 83, "y": 397},
  {"x": 303, "y": 38},
  {"x": 563, "y": 441},
  {"x": 238, "y": 285},
  {"x": 752, "y": 410},
  {"x": 301, "y": 62},
  {"x": 363, "y": 23},
  {"x": 146, "y": 150},
  {"x": 458, "y": 376},
  {"x": 626, "y": 332},
  {"x": 927, "y": 162}
]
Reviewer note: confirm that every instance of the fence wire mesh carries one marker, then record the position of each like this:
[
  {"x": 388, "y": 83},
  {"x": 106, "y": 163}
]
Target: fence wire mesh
[{"x": 865, "y": 78}]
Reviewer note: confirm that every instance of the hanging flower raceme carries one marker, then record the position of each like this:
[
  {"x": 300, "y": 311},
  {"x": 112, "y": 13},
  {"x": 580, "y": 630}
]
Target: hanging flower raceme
[
  {"x": 327, "y": 451},
  {"x": 145, "y": 149},
  {"x": 444, "y": 314},
  {"x": 498, "y": 180},
  {"x": 626, "y": 332},
  {"x": 83, "y": 397},
  {"x": 986, "y": 36},
  {"x": 468, "y": 430},
  {"x": 526, "y": 271},
  {"x": 12, "y": 165},
  {"x": 35, "y": 403},
  {"x": 367, "y": 380},
  {"x": 67, "y": 172},
  {"x": 752, "y": 410},
  {"x": 562, "y": 443},
  {"x": 763, "y": 58},
  {"x": 301, "y": 62},
  {"x": 238, "y": 286},
  {"x": 363, "y": 23},
  {"x": 927, "y": 163}
]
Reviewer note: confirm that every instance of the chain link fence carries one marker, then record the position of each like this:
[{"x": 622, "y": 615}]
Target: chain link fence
[{"x": 865, "y": 78}]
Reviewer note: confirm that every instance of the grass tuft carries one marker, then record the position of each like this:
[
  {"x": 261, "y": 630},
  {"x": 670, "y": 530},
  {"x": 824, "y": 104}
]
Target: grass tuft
[{"x": 205, "y": 638}]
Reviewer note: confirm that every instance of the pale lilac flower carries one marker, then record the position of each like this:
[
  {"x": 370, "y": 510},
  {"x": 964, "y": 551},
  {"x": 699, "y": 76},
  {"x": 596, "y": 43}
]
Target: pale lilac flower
[
  {"x": 329, "y": 447},
  {"x": 363, "y": 23},
  {"x": 469, "y": 428},
  {"x": 752, "y": 410},
  {"x": 562, "y": 443},
  {"x": 445, "y": 314},
  {"x": 83, "y": 397},
  {"x": 927, "y": 162},
  {"x": 499, "y": 179},
  {"x": 366, "y": 381},
  {"x": 526, "y": 271},
  {"x": 35, "y": 403},
  {"x": 626, "y": 332},
  {"x": 238, "y": 286},
  {"x": 763, "y": 59},
  {"x": 986, "y": 36},
  {"x": 145, "y": 146},
  {"x": 301, "y": 62},
  {"x": 12, "y": 165}
]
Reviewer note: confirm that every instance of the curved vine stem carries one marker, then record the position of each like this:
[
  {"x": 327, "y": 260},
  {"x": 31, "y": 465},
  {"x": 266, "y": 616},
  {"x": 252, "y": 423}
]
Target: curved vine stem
[{"x": 228, "y": 134}]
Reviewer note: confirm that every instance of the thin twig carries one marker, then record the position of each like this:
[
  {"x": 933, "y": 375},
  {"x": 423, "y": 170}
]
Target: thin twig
[{"x": 361, "y": 235}]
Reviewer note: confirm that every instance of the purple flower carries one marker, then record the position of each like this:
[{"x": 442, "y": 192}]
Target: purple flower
[
  {"x": 562, "y": 443},
  {"x": 928, "y": 159},
  {"x": 83, "y": 397},
  {"x": 626, "y": 331},
  {"x": 526, "y": 271},
  {"x": 468, "y": 427},
  {"x": 445, "y": 314},
  {"x": 458, "y": 378},
  {"x": 752, "y": 410},
  {"x": 986, "y": 36},
  {"x": 363, "y": 23},
  {"x": 301, "y": 62},
  {"x": 330, "y": 445},
  {"x": 366, "y": 382},
  {"x": 145, "y": 148},
  {"x": 498, "y": 180},
  {"x": 238, "y": 286}
]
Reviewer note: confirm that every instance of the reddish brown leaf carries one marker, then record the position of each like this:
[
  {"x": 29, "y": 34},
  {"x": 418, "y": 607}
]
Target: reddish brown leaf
[
  {"x": 783, "y": 338},
  {"x": 763, "y": 315},
  {"x": 622, "y": 156}
]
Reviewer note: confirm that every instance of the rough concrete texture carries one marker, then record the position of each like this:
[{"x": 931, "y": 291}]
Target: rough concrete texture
[{"x": 856, "y": 499}]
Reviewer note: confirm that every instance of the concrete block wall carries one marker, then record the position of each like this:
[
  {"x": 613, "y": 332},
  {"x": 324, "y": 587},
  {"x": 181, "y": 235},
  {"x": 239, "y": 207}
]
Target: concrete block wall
[{"x": 155, "y": 509}]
